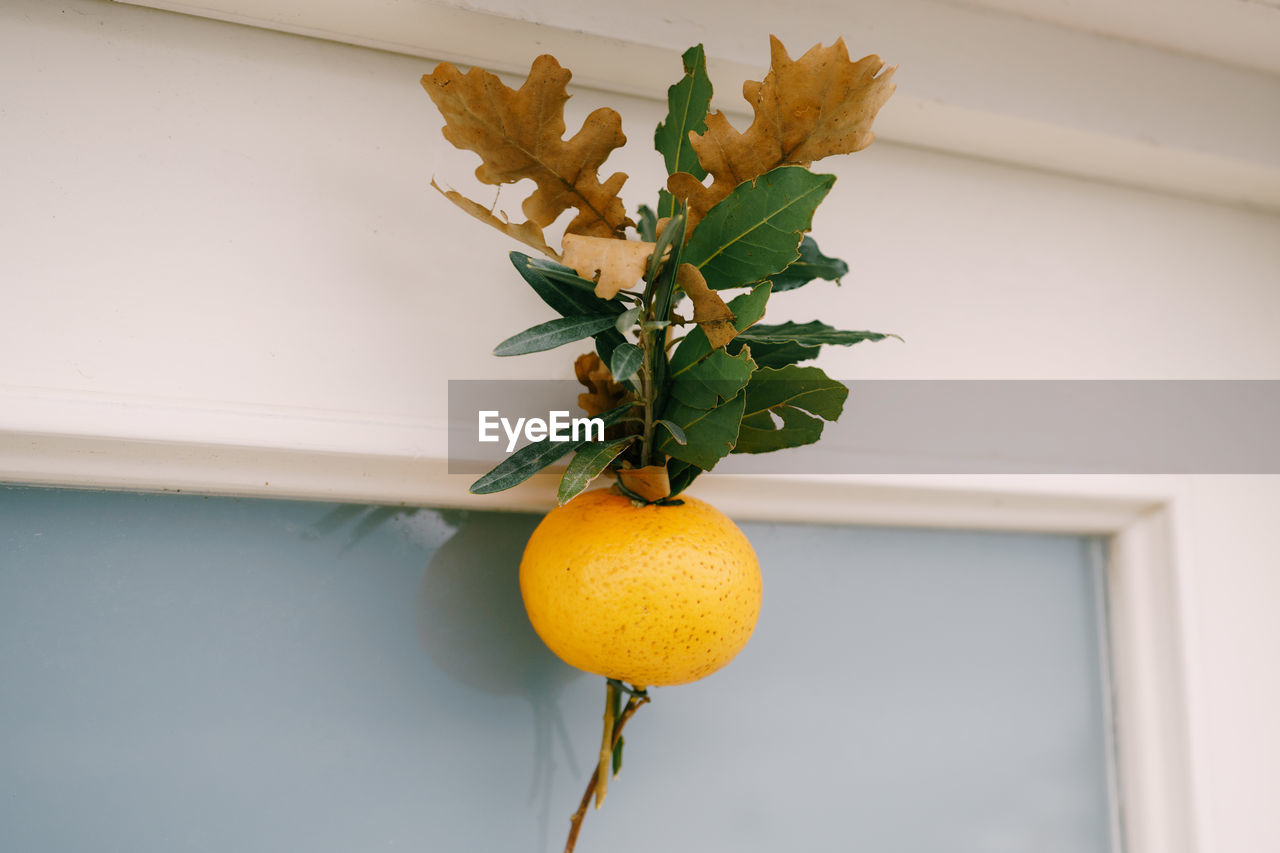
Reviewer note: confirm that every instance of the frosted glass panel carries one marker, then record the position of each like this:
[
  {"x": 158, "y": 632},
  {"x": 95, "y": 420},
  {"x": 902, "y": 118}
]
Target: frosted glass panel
[{"x": 181, "y": 673}]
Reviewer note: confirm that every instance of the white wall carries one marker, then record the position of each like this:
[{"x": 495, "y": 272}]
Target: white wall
[{"x": 210, "y": 231}]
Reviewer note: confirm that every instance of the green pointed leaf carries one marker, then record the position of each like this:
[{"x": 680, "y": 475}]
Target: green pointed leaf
[
  {"x": 811, "y": 334},
  {"x": 672, "y": 235},
  {"x": 662, "y": 284},
  {"x": 617, "y": 754},
  {"x": 788, "y": 343},
  {"x": 687, "y": 105},
  {"x": 747, "y": 310},
  {"x": 606, "y": 343},
  {"x": 568, "y": 293},
  {"x": 709, "y": 433},
  {"x": 626, "y": 360},
  {"x": 676, "y": 432},
  {"x": 755, "y": 231},
  {"x": 807, "y": 388},
  {"x": 760, "y": 434},
  {"x": 810, "y": 265},
  {"x": 775, "y": 355},
  {"x": 522, "y": 465},
  {"x": 554, "y": 333},
  {"x": 587, "y": 464},
  {"x": 647, "y": 226},
  {"x": 716, "y": 379},
  {"x": 533, "y": 457},
  {"x": 681, "y": 475},
  {"x": 795, "y": 395},
  {"x": 627, "y": 319}
]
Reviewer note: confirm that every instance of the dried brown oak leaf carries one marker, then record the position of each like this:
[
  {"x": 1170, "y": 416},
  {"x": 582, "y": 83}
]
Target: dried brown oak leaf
[
  {"x": 805, "y": 109},
  {"x": 709, "y": 309},
  {"x": 603, "y": 393},
  {"x": 525, "y": 232},
  {"x": 613, "y": 265},
  {"x": 519, "y": 134},
  {"x": 651, "y": 483}
]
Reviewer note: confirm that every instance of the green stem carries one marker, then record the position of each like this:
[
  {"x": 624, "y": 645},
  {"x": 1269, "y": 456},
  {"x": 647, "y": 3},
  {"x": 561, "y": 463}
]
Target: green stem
[
  {"x": 637, "y": 699},
  {"x": 606, "y": 743},
  {"x": 647, "y": 387}
]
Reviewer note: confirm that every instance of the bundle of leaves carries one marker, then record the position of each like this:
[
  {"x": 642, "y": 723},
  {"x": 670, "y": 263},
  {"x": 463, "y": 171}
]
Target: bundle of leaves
[{"x": 679, "y": 387}]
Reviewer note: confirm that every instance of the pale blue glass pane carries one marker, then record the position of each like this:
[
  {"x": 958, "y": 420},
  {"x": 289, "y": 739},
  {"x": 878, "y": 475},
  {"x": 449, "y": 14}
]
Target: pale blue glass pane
[{"x": 181, "y": 673}]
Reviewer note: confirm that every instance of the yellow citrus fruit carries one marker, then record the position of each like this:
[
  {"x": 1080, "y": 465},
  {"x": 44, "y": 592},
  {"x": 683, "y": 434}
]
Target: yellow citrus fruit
[{"x": 649, "y": 595}]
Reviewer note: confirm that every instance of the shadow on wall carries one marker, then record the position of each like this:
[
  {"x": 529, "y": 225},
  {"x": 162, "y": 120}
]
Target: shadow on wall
[
  {"x": 470, "y": 615},
  {"x": 473, "y": 625},
  {"x": 471, "y": 620}
]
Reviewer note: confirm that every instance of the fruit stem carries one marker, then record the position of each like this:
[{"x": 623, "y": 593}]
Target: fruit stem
[
  {"x": 606, "y": 743},
  {"x": 633, "y": 704}
]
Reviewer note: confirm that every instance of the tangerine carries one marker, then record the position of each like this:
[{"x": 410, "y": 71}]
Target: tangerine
[{"x": 650, "y": 595}]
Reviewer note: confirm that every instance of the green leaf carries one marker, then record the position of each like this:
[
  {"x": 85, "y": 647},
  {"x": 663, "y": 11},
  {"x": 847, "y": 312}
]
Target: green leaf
[
  {"x": 617, "y": 755},
  {"x": 759, "y": 433},
  {"x": 755, "y": 231},
  {"x": 710, "y": 434},
  {"x": 587, "y": 464},
  {"x": 658, "y": 294},
  {"x": 667, "y": 204},
  {"x": 775, "y": 355},
  {"x": 687, "y": 105},
  {"x": 672, "y": 235},
  {"x": 788, "y": 343},
  {"x": 811, "y": 334},
  {"x": 568, "y": 293},
  {"x": 522, "y": 465},
  {"x": 627, "y": 319},
  {"x": 795, "y": 395},
  {"x": 681, "y": 475},
  {"x": 747, "y": 310},
  {"x": 554, "y": 333},
  {"x": 676, "y": 432},
  {"x": 607, "y": 342},
  {"x": 625, "y": 361},
  {"x": 810, "y": 265},
  {"x": 716, "y": 379},
  {"x": 647, "y": 227},
  {"x": 533, "y": 457}
]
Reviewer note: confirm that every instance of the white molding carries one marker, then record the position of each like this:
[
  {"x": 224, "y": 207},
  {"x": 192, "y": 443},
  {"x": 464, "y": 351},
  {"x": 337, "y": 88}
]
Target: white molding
[
  {"x": 1084, "y": 505},
  {"x": 1144, "y": 157},
  {"x": 1148, "y": 627}
]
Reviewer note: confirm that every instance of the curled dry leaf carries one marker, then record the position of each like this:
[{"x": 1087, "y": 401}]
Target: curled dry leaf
[
  {"x": 613, "y": 265},
  {"x": 805, "y": 109},
  {"x": 525, "y": 232},
  {"x": 709, "y": 309},
  {"x": 519, "y": 133},
  {"x": 603, "y": 393},
  {"x": 651, "y": 483}
]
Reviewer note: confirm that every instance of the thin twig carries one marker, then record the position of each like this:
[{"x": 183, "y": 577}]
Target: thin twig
[{"x": 633, "y": 704}]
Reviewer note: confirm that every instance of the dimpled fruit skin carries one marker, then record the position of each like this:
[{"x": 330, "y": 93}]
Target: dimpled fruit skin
[{"x": 650, "y": 595}]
